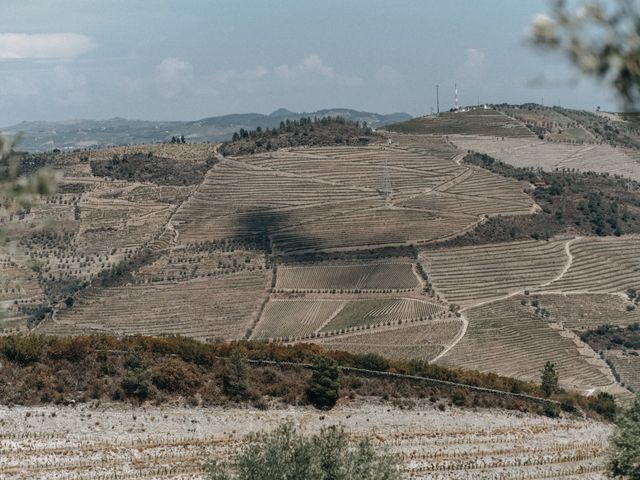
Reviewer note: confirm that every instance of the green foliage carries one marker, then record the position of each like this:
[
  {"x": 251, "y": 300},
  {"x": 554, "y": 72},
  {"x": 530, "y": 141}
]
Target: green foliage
[
  {"x": 18, "y": 191},
  {"x": 624, "y": 459},
  {"x": 140, "y": 167},
  {"x": 591, "y": 203},
  {"x": 604, "y": 404},
  {"x": 236, "y": 376},
  {"x": 23, "y": 350},
  {"x": 607, "y": 337},
  {"x": 601, "y": 42},
  {"x": 324, "y": 386},
  {"x": 325, "y": 131},
  {"x": 551, "y": 409},
  {"x": 371, "y": 361},
  {"x": 549, "y": 379},
  {"x": 286, "y": 454},
  {"x": 136, "y": 384}
]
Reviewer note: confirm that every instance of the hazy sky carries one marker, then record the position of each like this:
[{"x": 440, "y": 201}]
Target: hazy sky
[{"x": 188, "y": 59}]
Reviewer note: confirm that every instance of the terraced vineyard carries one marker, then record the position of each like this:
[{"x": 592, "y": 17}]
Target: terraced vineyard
[
  {"x": 627, "y": 366},
  {"x": 509, "y": 338},
  {"x": 469, "y": 274},
  {"x": 155, "y": 442},
  {"x": 601, "y": 265},
  {"x": 205, "y": 308},
  {"x": 423, "y": 341},
  {"x": 474, "y": 122},
  {"x": 330, "y": 198},
  {"x": 581, "y": 312},
  {"x": 370, "y": 277},
  {"x": 531, "y": 152},
  {"x": 290, "y": 245},
  {"x": 295, "y": 318},
  {"x": 371, "y": 312},
  {"x": 553, "y": 124}
]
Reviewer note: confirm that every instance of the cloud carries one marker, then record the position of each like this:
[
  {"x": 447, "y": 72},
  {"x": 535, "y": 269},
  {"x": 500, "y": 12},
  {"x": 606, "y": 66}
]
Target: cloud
[
  {"x": 129, "y": 85},
  {"x": 173, "y": 76},
  {"x": 67, "y": 87},
  {"x": 311, "y": 71},
  {"x": 14, "y": 46},
  {"x": 59, "y": 85},
  {"x": 474, "y": 58},
  {"x": 472, "y": 69},
  {"x": 309, "y": 66},
  {"x": 388, "y": 75}
]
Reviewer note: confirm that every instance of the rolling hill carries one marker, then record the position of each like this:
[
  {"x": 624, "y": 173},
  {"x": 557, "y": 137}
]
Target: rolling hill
[{"x": 78, "y": 134}]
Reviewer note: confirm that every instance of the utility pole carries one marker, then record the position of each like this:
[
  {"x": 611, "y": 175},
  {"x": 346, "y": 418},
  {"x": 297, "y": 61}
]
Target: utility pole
[{"x": 437, "y": 100}]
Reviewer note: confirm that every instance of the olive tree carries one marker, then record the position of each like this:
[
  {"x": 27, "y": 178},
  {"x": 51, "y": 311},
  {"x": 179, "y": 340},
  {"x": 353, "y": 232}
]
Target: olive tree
[
  {"x": 16, "y": 190},
  {"x": 624, "y": 456},
  {"x": 602, "y": 40},
  {"x": 286, "y": 454}
]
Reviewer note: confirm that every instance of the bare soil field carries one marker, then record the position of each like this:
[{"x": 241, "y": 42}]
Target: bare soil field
[{"x": 174, "y": 442}]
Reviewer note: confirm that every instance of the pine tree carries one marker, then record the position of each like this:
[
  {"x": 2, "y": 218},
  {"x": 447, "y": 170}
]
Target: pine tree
[
  {"x": 324, "y": 386},
  {"x": 549, "y": 379},
  {"x": 235, "y": 381}
]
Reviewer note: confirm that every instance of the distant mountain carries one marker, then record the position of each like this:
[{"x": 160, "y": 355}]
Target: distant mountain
[{"x": 73, "y": 134}]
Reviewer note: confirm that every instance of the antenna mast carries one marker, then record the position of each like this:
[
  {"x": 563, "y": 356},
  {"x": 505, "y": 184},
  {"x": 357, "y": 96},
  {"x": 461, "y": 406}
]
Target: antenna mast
[
  {"x": 437, "y": 99},
  {"x": 455, "y": 87}
]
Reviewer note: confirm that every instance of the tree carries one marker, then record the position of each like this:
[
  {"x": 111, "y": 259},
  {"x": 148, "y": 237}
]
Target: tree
[
  {"x": 549, "y": 379},
  {"x": 324, "y": 386},
  {"x": 600, "y": 42},
  {"x": 624, "y": 455},
  {"x": 235, "y": 381},
  {"x": 286, "y": 454}
]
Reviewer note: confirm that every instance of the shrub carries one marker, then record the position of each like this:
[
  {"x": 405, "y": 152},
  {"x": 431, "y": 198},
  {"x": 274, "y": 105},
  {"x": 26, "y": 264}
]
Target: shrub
[
  {"x": 371, "y": 361},
  {"x": 551, "y": 409},
  {"x": 604, "y": 404},
  {"x": 24, "y": 350},
  {"x": 174, "y": 375},
  {"x": 135, "y": 360},
  {"x": 287, "y": 454},
  {"x": 324, "y": 386},
  {"x": 137, "y": 385},
  {"x": 459, "y": 397}
]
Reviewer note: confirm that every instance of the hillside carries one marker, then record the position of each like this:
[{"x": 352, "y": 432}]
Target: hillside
[
  {"x": 400, "y": 244},
  {"x": 82, "y": 134},
  {"x": 402, "y": 252}
]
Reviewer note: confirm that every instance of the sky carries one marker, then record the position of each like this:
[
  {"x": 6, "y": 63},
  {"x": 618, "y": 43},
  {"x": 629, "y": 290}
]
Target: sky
[{"x": 190, "y": 59}]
